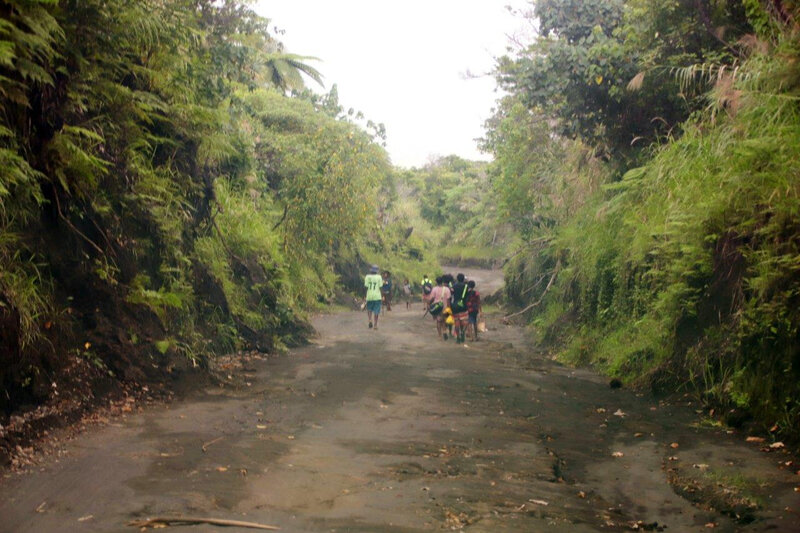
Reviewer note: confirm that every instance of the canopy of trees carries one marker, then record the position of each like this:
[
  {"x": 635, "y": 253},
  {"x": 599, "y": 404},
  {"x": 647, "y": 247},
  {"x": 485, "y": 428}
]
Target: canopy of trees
[{"x": 455, "y": 201}]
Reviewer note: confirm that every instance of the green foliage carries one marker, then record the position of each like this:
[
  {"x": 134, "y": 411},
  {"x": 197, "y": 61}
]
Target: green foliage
[
  {"x": 161, "y": 301},
  {"x": 682, "y": 270},
  {"x": 579, "y": 69},
  {"x": 154, "y": 165},
  {"x": 457, "y": 209},
  {"x": 319, "y": 167},
  {"x": 324, "y": 174},
  {"x": 22, "y": 293}
]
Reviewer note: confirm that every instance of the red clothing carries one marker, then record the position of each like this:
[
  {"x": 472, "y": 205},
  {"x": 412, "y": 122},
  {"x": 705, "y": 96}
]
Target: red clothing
[
  {"x": 461, "y": 318},
  {"x": 473, "y": 301}
]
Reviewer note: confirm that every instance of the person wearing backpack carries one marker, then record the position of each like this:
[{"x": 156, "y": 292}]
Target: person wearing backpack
[
  {"x": 459, "y": 307},
  {"x": 439, "y": 300},
  {"x": 427, "y": 287}
]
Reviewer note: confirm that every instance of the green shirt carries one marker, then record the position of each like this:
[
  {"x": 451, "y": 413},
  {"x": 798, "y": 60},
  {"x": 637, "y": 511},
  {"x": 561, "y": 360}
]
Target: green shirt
[{"x": 373, "y": 284}]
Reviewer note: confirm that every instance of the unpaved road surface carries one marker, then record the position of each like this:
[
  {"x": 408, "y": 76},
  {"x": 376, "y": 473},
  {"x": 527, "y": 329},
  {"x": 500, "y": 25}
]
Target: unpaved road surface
[{"x": 396, "y": 431}]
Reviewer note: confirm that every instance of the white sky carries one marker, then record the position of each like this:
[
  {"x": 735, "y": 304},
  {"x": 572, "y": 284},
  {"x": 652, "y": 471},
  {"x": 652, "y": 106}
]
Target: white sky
[{"x": 403, "y": 63}]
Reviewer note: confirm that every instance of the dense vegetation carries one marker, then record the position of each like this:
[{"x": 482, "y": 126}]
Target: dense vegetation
[
  {"x": 456, "y": 211},
  {"x": 646, "y": 155},
  {"x": 169, "y": 191}
]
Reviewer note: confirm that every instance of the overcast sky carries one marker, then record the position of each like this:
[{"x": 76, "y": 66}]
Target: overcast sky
[{"x": 404, "y": 63}]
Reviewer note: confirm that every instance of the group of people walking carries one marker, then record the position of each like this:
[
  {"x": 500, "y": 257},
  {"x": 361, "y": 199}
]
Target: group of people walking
[{"x": 453, "y": 302}]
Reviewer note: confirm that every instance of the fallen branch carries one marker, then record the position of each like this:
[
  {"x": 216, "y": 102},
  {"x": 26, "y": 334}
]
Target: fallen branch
[
  {"x": 524, "y": 247},
  {"x": 72, "y": 226},
  {"x": 533, "y": 287},
  {"x": 186, "y": 521},
  {"x": 205, "y": 446},
  {"x": 534, "y": 304}
]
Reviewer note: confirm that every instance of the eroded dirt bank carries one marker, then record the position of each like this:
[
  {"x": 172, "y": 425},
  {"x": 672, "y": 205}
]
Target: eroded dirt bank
[{"x": 394, "y": 430}]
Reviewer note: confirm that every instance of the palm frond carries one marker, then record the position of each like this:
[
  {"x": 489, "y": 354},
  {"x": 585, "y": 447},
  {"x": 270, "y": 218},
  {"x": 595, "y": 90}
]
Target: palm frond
[{"x": 283, "y": 70}]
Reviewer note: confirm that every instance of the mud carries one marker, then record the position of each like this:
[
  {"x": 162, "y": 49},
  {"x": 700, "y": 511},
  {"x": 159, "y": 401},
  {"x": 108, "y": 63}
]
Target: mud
[{"x": 396, "y": 431}]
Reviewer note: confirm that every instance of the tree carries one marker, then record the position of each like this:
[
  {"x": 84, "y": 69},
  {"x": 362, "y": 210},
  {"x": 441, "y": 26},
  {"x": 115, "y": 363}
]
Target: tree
[
  {"x": 241, "y": 49},
  {"x": 579, "y": 69},
  {"x": 283, "y": 70}
]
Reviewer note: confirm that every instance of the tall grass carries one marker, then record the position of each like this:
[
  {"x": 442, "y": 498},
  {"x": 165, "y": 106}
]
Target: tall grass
[{"x": 686, "y": 271}]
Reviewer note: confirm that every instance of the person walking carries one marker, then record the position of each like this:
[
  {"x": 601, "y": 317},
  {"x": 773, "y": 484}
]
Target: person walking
[
  {"x": 427, "y": 287},
  {"x": 440, "y": 299},
  {"x": 447, "y": 280},
  {"x": 386, "y": 289},
  {"x": 459, "y": 307},
  {"x": 373, "y": 283},
  {"x": 474, "y": 308},
  {"x": 407, "y": 292}
]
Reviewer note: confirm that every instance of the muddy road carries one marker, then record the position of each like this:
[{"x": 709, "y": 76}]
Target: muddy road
[{"x": 394, "y": 431}]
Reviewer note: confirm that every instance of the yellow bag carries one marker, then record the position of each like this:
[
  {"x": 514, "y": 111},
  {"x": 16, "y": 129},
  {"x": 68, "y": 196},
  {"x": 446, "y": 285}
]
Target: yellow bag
[{"x": 449, "y": 320}]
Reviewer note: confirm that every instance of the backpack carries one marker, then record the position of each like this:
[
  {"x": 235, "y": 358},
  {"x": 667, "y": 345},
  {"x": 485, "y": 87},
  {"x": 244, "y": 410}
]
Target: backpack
[
  {"x": 427, "y": 287},
  {"x": 460, "y": 301},
  {"x": 435, "y": 308}
]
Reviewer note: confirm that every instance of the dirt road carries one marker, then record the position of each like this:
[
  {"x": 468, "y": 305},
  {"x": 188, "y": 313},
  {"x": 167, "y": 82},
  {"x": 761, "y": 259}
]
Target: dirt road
[{"x": 396, "y": 431}]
